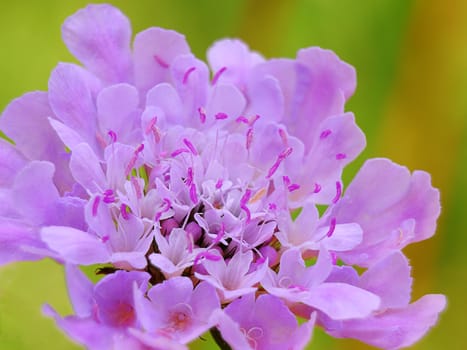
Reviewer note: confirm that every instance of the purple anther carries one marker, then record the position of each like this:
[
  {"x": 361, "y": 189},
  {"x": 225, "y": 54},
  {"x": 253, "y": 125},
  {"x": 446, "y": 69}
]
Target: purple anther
[
  {"x": 217, "y": 75},
  {"x": 293, "y": 187},
  {"x": 325, "y": 134},
  {"x": 190, "y": 146},
  {"x": 202, "y": 115},
  {"x": 249, "y": 138},
  {"x": 124, "y": 212},
  {"x": 317, "y": 188},
  {"x": 278, "y": 161},
  {"x": 193, "y": 194},
  {"x": 286, "y": 180},
  {"x": 112, "y": 136},
  {"x": 109, "y": 196},
  {"x": 338, "y": 192},
  {"x": 340, "y": 156},
  {"x": 243, "y": 204},
  {"x": 242, "y": 119},
  {"x": 221, "y": 116},
  {"x": 254, "y": 119},
  {"x": 139, "y": 149},
  {"x": 179, "y": 151},
  {"x": 190, "y": 177},
  {"x": 105, "y": 238},
  {"x": 283, "y": 136},
  {"x": 207, "y": 256},
  {"x": 151, "y": 125},
  {"x": 332, "y": 227},
  {"x": 272, "y": 206},
  {"x": 219, "y": 184},
  {"x": 187, "y": 74},
  {"x": 161, "y": 62},
  {"x": 95, "y": 205}
]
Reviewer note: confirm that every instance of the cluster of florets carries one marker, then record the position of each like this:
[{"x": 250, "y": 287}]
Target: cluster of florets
[{"x": 209, "y": 202}]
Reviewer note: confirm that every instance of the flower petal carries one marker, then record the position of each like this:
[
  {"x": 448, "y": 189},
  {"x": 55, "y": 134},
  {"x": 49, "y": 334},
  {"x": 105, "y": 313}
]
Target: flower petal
[{"x": 99, "y": 36}]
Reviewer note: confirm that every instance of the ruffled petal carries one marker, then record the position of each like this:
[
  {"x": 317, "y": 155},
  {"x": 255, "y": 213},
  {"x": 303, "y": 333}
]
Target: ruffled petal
[{"x": 99, "y": 36}]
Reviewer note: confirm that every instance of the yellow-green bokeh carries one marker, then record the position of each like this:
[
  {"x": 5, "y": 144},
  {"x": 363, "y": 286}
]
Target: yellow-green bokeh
[{"x": 411, "y": 101}]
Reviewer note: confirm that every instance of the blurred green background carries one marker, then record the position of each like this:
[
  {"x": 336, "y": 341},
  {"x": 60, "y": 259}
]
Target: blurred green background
[{"x": 411, "y": 101}]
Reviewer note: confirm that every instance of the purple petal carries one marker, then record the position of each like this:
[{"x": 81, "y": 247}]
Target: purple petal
[
  {"x": 396, "y": 328},
  {"x": 75, "y": 246},
  {"x": 34, "y": 194},
  {"x": 25, "y": 121},
  {"x": 390, "y": 280},
  {"x": 71, "y": 96},
  {"x": 11, "y": 161},
  {"x": 341, "y": 301},
  {"x": 116, "y": 106},
  {"x": 80, "y": 290},
  {"x": 86, "y": 169},
  {"x": 154, "y": 51},
  {"x": 15, "y": 240},
  {"x": 99, "y": 36}
]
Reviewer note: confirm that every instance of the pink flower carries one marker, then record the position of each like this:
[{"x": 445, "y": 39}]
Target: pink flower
[{"x": 195, "y": 188}]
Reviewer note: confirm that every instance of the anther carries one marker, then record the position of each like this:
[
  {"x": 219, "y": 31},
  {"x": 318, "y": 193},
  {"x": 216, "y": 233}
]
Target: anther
[
  {"x": 340, "y": 156},
  {"x": 95, "y": 205},
  {"x": 161, "y": 62},
  {"x": 221, "y": 116},
  {"x": 124, "y": 212},
  {"x": 187, "y": 74},
  {"x": 332, "y": 227},
  {"x": 217, "y": 75},
  {"x": 325, "y": 134},
  {"x": 202, "y": 115},
  {"x": 190, "y": 147},
  {"x": 338, "y": 192},
  {"x": 112, "y": 136}
]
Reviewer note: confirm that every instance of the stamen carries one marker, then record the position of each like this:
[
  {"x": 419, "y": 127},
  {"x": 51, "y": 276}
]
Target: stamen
[
  {"x": 317, "y": 188},
  {"x": 193, "y": 194},
  {"x": 202, "y": 115},
  {"x": 150, "y": 125},
  {"x": 290, "y": 186},
  {"x": 187, "y": 74},
  {"x": 219, "y": 184},
  {"x": 112, "y": 136},
  {"x": 293, "y": 187},
  {"x": 124, "y": 212},
  {"x": 249, "y": 138},
  {"x": 189, "y": 179},
  {"x": 132, "y": 162},
  {"x": 325, "y": 134},
  {"x": 221, "y": 116},
  {"x": 179, "y": 151},
  {"x": 161, "y": 62},
  {"x": 278, "y": 162},
  {"x": 242, "y": 119},
  {"x": 338, "y": 192},
  {"x": 207, "y": 256},
  {"x": 109, "y": 196},
  {"x": 105, "y": 238},
  {"x": 165, "y": 208},
  {"x": 217, "y": 75},
  {"x": 254, "y": 119},
  {"x": 95, "y": 205},
  {"x": 243, "y": 201},
  {"x": 272, "y": 206},
  {"x": 283, "y": 136},
  {"x": 190, "y": 146},
  {"x": 332, "y": 227},
  {"x": 340, "y": 156}
]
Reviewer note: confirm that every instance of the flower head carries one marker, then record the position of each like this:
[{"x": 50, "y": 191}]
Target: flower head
[{"x": 195, "y": 188}]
